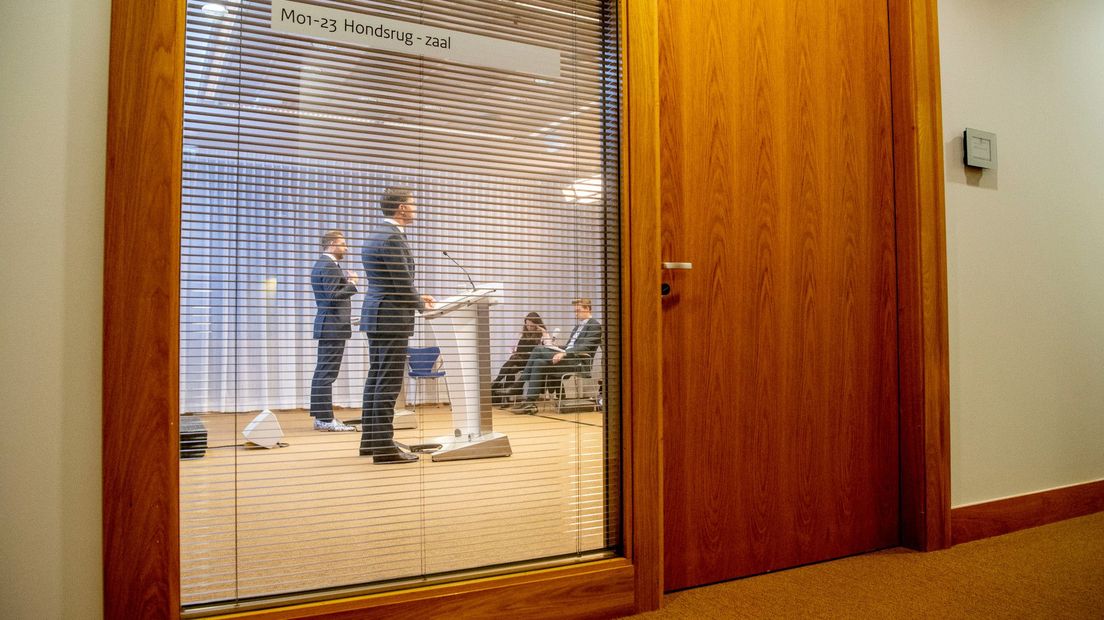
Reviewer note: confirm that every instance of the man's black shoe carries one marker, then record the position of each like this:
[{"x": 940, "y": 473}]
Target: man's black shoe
[
  {"x": 388, "y": 455},
  {"x": 372, "y": 449},
  {"x": 522, "y": 402},
  {"x": 396, "y": 456},
  {"x": 524, "y": 408}
]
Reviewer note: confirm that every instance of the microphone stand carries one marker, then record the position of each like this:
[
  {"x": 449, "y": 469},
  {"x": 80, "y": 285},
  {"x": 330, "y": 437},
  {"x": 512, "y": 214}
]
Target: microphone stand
[{"x": 465, "y": 271}]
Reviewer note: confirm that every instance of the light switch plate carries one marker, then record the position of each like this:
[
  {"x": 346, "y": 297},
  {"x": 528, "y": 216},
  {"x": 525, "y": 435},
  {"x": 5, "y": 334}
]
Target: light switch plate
[{"x": 979, "y": 148}]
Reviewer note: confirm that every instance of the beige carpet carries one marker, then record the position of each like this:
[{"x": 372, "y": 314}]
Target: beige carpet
[{"x": 1054, "y": 571}]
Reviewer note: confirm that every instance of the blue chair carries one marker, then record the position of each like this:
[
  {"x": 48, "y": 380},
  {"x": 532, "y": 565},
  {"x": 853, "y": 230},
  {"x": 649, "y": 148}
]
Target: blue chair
[{"x": 424, "y": 363}]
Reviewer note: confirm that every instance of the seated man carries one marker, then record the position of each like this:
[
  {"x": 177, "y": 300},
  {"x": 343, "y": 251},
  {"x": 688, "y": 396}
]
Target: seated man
[{"x": 551, "y": 361}]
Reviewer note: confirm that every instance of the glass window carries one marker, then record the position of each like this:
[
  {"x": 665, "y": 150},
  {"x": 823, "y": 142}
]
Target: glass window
[{"x": 399, "y": 293}]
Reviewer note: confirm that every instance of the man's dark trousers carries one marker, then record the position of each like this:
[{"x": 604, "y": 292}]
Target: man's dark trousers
[
  {"x": 540, "y": 368},
  {"x": 381, "y": 390},
  {"x": 328, "y": 365}
]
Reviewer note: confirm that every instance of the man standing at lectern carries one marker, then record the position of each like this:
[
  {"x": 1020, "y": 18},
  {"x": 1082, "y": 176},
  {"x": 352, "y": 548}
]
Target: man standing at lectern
[
  {"x": 332, "y": 287},
  {"x": 387, "y": 318}
]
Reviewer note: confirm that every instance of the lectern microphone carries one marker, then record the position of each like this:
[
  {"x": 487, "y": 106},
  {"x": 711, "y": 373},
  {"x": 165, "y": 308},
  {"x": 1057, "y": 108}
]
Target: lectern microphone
[{"x": 461, "y": 268}]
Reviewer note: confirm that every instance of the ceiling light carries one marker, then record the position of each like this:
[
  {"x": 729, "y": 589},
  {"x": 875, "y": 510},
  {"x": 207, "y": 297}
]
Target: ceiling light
[
  {"x": 215, "y": 9},
  {"x": 584, "y": 191}
]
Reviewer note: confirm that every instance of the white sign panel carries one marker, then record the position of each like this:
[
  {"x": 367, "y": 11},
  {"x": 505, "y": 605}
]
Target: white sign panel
[{"x": 395, "y": 36}]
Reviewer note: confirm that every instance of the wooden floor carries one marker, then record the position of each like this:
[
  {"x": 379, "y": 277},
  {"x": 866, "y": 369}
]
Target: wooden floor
[{"x": 315, "y": 514}]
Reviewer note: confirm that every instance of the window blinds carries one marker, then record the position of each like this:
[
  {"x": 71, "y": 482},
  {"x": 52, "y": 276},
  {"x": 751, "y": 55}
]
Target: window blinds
[{"x": 507, "y": 179}]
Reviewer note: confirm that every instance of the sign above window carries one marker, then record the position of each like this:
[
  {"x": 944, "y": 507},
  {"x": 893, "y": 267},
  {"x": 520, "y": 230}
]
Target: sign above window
[{"x": 396, "y": 36}]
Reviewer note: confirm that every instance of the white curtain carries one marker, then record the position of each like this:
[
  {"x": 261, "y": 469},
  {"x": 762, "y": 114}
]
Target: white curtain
[{"x": 247, "y": 250}]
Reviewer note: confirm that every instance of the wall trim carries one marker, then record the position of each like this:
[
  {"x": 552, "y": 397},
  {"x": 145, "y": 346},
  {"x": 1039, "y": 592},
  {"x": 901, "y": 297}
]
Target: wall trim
[{"x": 1003, "y": 516}]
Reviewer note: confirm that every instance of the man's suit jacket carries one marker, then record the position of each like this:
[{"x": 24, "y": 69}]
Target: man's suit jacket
[
  {"x": 332, "y": 291},
  {"x": 391, "y": 299},
  {"x": 586, "y": 343}
]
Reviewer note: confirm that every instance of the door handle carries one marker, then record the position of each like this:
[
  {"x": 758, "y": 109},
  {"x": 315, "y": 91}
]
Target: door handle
[{"x": 665, "y": 288}]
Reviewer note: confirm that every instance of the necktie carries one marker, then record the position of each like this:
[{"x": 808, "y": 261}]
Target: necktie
[{"x": 574, "y": 333}]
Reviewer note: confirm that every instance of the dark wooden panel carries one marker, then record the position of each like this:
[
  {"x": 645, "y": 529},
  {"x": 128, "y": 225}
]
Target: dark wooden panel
[
  {"x": 780, "y": 386},
  {"x": 1032, "y": 510},
  {"x": 141, "y": 266}
]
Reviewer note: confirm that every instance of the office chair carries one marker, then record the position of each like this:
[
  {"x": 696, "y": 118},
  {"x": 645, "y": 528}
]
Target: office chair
[
  {"x": 578, "y": 390},
  {"x": 423, "y": 364}
]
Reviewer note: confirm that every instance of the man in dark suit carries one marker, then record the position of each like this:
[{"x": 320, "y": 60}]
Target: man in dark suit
[
  {"x": 546, "y": 362},
  {"x": 333, "y": 287},
  {"x": 387, "y": 318}
]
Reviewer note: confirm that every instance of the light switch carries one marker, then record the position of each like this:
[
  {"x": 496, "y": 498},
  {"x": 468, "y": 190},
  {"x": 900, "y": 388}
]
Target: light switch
[{"x": 979, "y": 148}]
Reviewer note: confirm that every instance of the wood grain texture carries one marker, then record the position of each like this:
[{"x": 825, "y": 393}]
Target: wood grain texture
[
  {"x": 597, "y": 590},
  {"x": 642, "y": 363},
  {"x": 141, "y": 310},
  {"x": 1032, "y": 510},
  {"x": 141, "y": 267},
  {"x": 780, "y": 376},
  {"x": 922, "y": 276}
]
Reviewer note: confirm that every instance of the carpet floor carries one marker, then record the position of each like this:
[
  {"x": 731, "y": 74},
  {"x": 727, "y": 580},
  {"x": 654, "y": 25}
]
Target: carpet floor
[{"x": 1053, "y": 571}]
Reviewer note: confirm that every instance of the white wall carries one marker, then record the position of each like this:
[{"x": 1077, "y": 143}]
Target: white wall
[
  {"x": 1025, "y": 244},
  {"x": 53, "y": 105}
]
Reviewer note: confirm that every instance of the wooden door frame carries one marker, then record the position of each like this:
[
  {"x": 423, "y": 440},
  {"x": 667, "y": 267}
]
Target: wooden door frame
[
  {"x": 922, "y": 347},
  {"x": 141, "y": 555}
]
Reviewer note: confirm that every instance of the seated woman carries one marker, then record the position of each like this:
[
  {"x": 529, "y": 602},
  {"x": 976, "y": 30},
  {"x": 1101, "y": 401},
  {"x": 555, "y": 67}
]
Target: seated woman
[
  {"x": 533, "y": 333},
  {"x": 547, "y": 362}
]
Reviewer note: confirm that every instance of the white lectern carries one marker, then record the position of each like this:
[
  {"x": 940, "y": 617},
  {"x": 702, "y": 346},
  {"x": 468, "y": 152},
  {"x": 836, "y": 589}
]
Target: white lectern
[{"x": 462, "y": 328}]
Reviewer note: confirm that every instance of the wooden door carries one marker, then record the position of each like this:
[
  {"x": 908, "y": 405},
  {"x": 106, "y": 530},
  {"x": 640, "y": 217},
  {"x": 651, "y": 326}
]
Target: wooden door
[{"x": 780, "y": 361}]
